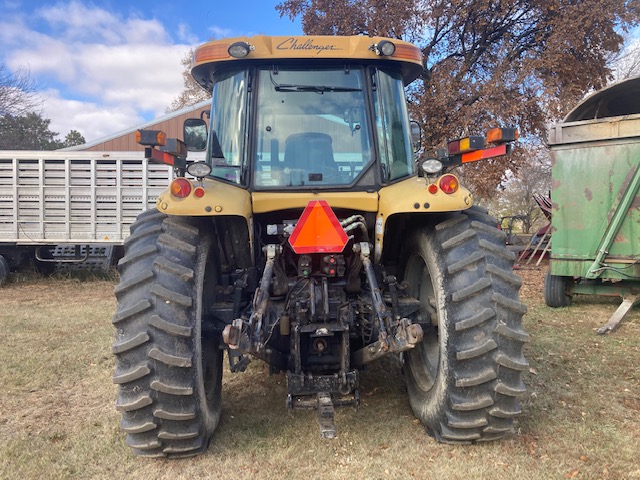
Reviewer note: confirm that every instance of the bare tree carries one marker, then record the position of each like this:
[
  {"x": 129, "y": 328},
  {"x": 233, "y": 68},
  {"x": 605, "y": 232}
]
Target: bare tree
[
  {"x": 18, "y": 94},
  {"x": 518, "y": 188},
  {"x": 488, "y": 62},
  {"x": 626, "y": 63},
  {"x": 193, "y": 93}
]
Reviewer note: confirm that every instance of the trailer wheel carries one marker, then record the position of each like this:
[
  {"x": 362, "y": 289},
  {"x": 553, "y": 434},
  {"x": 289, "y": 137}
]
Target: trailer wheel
[
  {"x": 465, "y": 377},
  {"x": 4, "y": 270},
  {"x": 556, "y": 290},
  {"x": 169, "y": 370}
]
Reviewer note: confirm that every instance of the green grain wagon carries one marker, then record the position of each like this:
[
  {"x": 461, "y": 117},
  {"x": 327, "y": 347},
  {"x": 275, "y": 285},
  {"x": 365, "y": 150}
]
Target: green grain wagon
[{"x": 595, "y": 245}]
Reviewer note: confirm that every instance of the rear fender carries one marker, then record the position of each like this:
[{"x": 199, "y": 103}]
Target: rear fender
[
  {"x": 412, "y": 197},
  {"x": 219, "y": 200}
]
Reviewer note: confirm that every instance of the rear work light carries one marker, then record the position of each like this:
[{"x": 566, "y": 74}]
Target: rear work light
[
  {"x": 384, "y": 48},
  {"x": 240, "y": 49},
  {"x": 449, "y": 184},
  {"x": 181, "y": 187}
]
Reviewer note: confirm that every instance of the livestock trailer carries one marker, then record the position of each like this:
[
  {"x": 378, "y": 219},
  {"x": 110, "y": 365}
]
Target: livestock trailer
[{"x": 54, "y": 198}]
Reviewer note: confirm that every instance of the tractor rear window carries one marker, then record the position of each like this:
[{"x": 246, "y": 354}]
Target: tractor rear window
[{"x": 311, "y": 127}]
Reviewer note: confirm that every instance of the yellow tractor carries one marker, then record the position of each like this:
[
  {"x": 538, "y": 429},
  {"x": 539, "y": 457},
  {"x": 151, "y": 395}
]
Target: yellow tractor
[{"x": 311, "y": 239}]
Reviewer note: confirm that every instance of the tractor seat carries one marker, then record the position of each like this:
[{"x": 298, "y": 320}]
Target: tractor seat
[{"x": 311, "y": 152}]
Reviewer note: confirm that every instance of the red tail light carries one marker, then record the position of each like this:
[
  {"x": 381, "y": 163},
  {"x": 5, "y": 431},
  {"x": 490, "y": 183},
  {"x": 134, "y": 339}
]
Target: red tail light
[
  {"x": 180, "y": 187},
  {"x": 449, "y": 184}
]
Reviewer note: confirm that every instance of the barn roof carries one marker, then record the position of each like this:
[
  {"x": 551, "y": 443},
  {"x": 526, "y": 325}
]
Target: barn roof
[{"x": 124, "y": 140}]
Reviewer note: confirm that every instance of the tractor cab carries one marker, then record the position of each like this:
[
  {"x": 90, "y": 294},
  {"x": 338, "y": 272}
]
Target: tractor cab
[{"x": 337, "y": 120}]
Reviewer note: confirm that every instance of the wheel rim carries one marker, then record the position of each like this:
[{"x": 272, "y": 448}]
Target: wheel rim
[{"x": 424, "y": 360}]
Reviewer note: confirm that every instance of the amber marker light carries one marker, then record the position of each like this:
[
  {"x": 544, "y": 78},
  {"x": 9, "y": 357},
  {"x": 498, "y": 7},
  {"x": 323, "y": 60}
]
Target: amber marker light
[
  {"x": 448, "y": 184},
  {"x": 180, "y": 187},
  {"x": 467, "y": 144},
  {"x": 502, "y": 135},
  {"x": 208, "y": 53},
  {"x": 408, "y": 52},
  {"x": 151, "y": 138}
]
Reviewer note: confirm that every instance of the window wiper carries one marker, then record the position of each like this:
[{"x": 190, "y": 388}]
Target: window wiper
[{"x": 313, "y": 88}]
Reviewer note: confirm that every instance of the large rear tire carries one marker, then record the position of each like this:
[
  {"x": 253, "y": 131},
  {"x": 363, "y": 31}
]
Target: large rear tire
[
  {"x": 168, "y": 369},
  {"x": 465, "y": 377}
]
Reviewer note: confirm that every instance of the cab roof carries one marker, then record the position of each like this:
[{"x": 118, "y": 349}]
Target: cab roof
[{"x": 305, "y": 50}]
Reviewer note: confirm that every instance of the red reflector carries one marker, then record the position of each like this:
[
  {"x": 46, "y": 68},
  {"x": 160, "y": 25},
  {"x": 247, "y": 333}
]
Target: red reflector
[
  {"x": 318, "y": 230},
  {"x": 433, "y": 188},
  {"x": 448, "y": 184},
  {"x": 199, "y": 192},
  {"x": 180, "y": 187}
]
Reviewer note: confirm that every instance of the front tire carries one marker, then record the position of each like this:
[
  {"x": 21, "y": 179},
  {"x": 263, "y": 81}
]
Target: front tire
[
  {"x": 168, "y": 369},
  {"x": 465, "y": 377}
]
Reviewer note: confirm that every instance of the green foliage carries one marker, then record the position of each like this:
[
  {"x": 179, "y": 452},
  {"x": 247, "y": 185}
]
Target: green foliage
[
  {"x": 31, "y": 132},
  {"x": 72, "y": 139}
]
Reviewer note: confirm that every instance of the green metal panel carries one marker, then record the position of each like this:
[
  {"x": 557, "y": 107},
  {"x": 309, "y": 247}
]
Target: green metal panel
[{"x": 596, "y": 214}]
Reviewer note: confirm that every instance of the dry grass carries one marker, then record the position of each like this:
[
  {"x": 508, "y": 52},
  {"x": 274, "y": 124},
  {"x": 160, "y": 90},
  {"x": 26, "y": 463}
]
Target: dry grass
[{"x": 57, "y": 416}]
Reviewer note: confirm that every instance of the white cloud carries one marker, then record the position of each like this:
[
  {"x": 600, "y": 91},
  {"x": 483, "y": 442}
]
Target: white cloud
[
  {"x": 103, "y": 69},
  {"x": 90, "y": 119}
]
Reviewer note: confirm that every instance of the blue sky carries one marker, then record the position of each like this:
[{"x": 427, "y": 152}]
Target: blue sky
[{"x": 104, "y": 66}]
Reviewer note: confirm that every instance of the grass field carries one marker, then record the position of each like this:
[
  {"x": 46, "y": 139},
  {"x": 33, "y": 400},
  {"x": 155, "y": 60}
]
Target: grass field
[{"x": 57, "y": 416}]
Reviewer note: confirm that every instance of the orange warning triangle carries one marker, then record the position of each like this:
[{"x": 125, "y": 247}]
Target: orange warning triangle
[{"x": 318, "y": 230}]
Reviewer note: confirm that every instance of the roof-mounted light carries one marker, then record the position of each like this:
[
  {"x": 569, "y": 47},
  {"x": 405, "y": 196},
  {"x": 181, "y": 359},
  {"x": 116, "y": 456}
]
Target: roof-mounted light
[
  {"x": 210, "y": 52},
  {"x": 240, "y": 49},
  {"x": 384, "y": 48}
]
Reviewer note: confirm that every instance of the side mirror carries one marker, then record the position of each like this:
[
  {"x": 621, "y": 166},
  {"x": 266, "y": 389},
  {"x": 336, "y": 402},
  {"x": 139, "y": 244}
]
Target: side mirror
[
  {"x": 195, "y": 134},
  {"x": 416, "y": 135}
]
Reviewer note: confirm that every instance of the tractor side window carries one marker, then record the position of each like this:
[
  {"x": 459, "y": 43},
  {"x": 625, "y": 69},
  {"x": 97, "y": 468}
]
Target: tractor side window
[
  {"x": 392, "y": 124},
  {"x": 228, "y": 129}
]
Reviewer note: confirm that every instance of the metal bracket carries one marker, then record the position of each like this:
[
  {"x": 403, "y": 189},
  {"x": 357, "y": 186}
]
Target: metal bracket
[
  {"x": 326, "y": 419},
  {"x": 617, "y": 216},
  {"x": 613, "y": 323}
]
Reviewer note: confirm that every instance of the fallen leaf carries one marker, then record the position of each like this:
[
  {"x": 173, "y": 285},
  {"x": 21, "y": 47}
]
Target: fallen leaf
[{"x": 572, "y": 474}]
